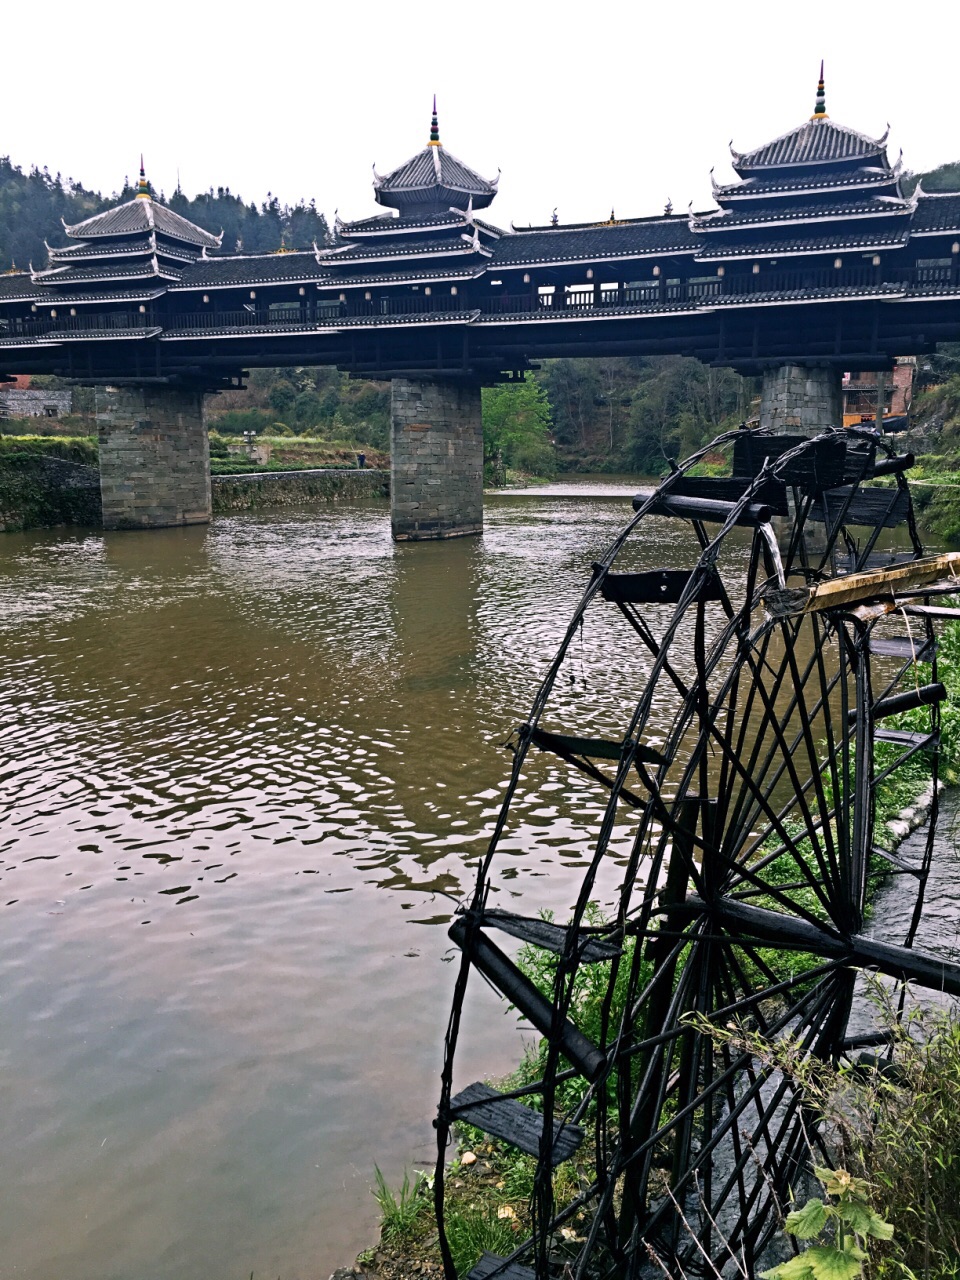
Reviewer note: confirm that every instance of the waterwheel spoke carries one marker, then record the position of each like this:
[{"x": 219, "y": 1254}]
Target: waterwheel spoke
[{"x": 745, "y": 760}]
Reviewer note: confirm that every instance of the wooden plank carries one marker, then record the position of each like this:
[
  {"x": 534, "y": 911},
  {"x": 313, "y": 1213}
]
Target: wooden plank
[
  {"x": 934, "y": 611},
  {"x": 821, "y": 466},
  {"x": 903, "y": 648},
  {"x": 592, "y": 748},
  {"x": 899, "y": 863},
  {"x": 531, "y": 1003},
  {"x": 492, "y": 1267},
  {"x": 875, "y": 560},
  {"x": 549, "y": 936},
  {"x": 906, "y": 738},
  {"x": 913, "y": 578},
  {"x": 771, "y": 493},
  {"x": 509, "y": 1120},
  {"x": 660, "y": 586},
  {"x": 873, "y": 508}
]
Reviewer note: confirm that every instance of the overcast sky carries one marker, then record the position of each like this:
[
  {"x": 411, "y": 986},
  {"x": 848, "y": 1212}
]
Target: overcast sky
[{"x": 584, "y": 107}]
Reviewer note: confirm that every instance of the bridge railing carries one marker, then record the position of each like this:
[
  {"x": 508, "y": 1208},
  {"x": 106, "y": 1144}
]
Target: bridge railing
[
  {"x": 735, "y": 282},
  {"x": 803, "y": 279},
  {"x": 945, "y": 274},
  {"x": 314, "y": 313},
  {"x": 36, "y": 326}
]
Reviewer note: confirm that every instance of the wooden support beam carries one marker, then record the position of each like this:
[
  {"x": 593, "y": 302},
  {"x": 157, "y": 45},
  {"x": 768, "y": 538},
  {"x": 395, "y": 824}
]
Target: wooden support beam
[
  {"x": 520, "y": 991},
  {"x": 904, "y": 963}
]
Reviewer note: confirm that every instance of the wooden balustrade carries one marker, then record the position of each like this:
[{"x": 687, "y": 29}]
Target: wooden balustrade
[{"x": 740, "y": 282}]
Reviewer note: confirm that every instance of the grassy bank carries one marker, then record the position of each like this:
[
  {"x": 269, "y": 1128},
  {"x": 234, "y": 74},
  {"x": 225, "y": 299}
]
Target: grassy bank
[
  {"x": 50, "y": 478},
  {"x": 283, "y": 453}
]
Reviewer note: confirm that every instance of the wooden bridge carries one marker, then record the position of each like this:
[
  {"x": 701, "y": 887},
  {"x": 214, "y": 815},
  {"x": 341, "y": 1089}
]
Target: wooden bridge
[{"x": 814, "y": 261}]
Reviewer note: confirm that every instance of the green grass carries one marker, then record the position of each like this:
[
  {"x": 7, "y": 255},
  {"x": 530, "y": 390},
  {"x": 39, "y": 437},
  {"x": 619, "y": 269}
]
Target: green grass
[
  {"x": 81, "y": 449},
  {"x": 474, "y": 1231},
  {"x": 586, "y": 1006},
  {"x": 400, "y": 1211}
]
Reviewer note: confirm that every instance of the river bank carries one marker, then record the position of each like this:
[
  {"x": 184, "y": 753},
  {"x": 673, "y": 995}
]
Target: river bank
[
  {"x": 256, "y": 490},
  {"x": 43, "y": 490}
]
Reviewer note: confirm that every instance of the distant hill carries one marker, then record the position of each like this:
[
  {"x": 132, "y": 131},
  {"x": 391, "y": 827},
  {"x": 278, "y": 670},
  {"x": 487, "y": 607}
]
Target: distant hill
[{"x": 946, "y": 177}]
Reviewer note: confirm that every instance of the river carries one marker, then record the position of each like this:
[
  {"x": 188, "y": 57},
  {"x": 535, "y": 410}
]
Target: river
[{"x": 245, "y": 771}]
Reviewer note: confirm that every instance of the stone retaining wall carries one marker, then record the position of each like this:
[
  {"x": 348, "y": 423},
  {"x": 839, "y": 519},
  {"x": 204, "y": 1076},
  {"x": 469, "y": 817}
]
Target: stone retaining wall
[
  {"x": 259, "y": 489},
  {"x": 38, "y": 492}
]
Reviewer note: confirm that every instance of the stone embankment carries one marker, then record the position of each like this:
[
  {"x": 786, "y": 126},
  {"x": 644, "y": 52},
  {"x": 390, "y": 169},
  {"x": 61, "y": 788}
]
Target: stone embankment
[
  {"x": 37, "y": 492},
  {"x": 40, "y": 492},
  {"x": 254, "y": 490}
]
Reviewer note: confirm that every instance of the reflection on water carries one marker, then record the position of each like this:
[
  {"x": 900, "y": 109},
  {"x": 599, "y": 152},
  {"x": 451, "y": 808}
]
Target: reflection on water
[{"x": 219, "y": 747}]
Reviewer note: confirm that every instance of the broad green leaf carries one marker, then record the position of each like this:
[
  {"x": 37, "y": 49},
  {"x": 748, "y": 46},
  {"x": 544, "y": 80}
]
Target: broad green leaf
[
  {"x": 855, "y": 1214},
  {"x": 879, "y": 1229},
  {"x": 827, "y": 1262},
  {"x": 795, "y": 1269},
  {"x": 862, "y": 1219},
  {"x": 809, "y": 1221}
]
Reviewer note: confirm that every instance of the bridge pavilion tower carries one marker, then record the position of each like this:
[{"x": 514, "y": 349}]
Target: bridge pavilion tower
[
  {"x": 815, "y": 200},
  {"x": 154, "y": 453},
  {"x": 431, "y": 241}
]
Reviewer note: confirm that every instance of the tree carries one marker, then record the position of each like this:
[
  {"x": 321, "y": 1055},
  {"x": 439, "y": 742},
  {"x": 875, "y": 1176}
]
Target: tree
[
  {"x": 516, "y": 423},
  {"x": 282, "y": 396}
]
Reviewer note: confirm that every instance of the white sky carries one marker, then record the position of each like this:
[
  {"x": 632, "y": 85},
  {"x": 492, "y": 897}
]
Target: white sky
[{"x": 586, "y": 106}]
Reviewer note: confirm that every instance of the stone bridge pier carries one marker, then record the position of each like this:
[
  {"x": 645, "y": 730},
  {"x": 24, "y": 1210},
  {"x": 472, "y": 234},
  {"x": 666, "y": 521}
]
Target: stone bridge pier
[
  {"x": 436, "y": 453},
  {"x": 154, "y": 457},
  {"x": 801, "y": 399}
]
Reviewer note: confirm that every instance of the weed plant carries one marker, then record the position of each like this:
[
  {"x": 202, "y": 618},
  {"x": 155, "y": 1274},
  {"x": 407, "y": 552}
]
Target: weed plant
[
  {"x": 475, "y": 1230},
  {"x": 895, "y": 1130},
  {"x": 400, "y": 1211},
  {"x": 590, "y": 988}
]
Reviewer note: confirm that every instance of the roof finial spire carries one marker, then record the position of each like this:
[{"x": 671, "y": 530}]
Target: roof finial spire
[
  {"x": 820, "y": 110},
  {"x": 434, "y": 127},
  {"x": 143, "y": 191}
]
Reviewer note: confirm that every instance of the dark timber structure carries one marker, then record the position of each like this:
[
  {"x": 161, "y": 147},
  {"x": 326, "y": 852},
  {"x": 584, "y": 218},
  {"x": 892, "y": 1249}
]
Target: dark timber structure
[
  {"x": 812, "y": 262},
  {"x": 740, "y": 795}
]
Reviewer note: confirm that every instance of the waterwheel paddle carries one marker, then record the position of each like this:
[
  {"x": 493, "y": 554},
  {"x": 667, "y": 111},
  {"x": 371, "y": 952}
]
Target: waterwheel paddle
[{"x": 750, "y": 759}]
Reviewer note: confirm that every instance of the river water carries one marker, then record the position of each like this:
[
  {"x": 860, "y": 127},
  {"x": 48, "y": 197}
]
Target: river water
[
  {"x": 245, "y": 771},
  {"x": 241, "y": 767}
]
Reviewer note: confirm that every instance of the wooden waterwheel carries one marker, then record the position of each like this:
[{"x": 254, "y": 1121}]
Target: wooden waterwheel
[{"x": 791, "y": 670}]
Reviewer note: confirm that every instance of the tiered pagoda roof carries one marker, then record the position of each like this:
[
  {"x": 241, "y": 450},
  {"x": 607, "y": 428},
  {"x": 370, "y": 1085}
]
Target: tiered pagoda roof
[
  {"x": 818, "y": 174},
  {"x": 135, "y": 249},
  {"x": 434, "y": 238},
  {"x": 433, "y": 180}
]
